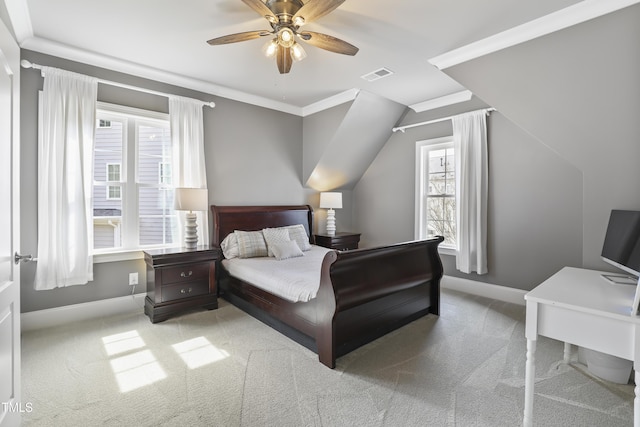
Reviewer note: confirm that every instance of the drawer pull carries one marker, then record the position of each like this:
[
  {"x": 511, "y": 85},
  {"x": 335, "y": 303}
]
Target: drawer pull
[
  {"x": 186, "y": 291},
  {"x": 187, "y": 274}
]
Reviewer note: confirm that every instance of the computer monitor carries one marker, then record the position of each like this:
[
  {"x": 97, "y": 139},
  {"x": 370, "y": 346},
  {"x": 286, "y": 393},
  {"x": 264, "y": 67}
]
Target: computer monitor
[{"x": 621, "y": 246}]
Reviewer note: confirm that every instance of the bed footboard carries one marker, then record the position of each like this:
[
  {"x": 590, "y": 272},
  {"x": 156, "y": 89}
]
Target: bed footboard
[{"x": 367, "y": 293}]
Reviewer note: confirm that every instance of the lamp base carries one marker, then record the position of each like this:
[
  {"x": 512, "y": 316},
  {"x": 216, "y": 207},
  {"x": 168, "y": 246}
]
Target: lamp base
[
  {"x": 190, "y": 231},
  {"x": 331, "y": 222}
]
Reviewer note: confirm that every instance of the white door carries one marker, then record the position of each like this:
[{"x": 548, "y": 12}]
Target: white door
[{"x": 10, "y": 402}]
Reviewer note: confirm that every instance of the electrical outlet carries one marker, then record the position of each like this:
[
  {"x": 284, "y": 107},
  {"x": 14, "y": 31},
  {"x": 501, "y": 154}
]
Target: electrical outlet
[{"x": 133, "y": 279}]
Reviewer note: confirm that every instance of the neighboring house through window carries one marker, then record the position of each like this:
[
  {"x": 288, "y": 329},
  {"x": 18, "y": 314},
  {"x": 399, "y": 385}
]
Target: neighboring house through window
[
  {"x": 436, "y": 191},
  {"x": 132, "y": 193}
]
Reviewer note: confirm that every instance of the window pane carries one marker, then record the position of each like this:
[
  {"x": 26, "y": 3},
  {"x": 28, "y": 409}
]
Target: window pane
[
  {"x": 441, "y": 218},
  {"x": 437, "y": 183},
  {"x": 154, "y": 150},
  {"x": 108, "y": 151},
  {"x": 107, "y": 219},
  {"x": 437, "y": 161},
  {"x": 157, "y": 218}
]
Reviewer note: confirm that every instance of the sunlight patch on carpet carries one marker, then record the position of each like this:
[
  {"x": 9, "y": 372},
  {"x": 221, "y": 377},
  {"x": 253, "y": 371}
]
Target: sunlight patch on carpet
[
  {"x": 199, "y": 352},
  {"x": 137, "y": 370},
  {"x": 121, "y": 343}
]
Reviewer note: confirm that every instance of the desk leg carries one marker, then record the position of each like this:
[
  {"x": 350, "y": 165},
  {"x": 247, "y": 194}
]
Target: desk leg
[
  {"x": 567, "y": 352},
  {"x": 529, "y": 381}
]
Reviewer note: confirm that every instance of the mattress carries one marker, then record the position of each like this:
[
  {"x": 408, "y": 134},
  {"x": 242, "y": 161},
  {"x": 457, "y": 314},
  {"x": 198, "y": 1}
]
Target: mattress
[{"x": 293, "y": 279}]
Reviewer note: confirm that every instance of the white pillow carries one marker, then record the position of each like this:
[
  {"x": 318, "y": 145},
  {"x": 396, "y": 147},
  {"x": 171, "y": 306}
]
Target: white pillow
[
  {"x": 274, "y": 236},
  {"x": 229, "y": 246},
  {"x": 299, "y": 234},
  {"x": 286, "y": 250},
  {"x": 250, "y": 244}
]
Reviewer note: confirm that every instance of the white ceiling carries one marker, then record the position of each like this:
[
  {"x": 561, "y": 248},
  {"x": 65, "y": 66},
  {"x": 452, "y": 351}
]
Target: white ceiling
[{"x": 166, "y": 40}]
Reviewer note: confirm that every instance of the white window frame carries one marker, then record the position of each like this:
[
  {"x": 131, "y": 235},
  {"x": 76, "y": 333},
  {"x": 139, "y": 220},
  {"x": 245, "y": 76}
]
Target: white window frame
[
  {"x": 422, "y": 182},
  {"x": 131, "y": 118}
]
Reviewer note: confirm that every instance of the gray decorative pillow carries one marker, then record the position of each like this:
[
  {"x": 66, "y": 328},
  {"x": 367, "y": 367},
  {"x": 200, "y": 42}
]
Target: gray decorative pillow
[
  {"x": 251, "y": 244},
  {"x": 286, "y": 250},
  {"x": 274, "y": 236},
  {"x": 299, "y": 234}
]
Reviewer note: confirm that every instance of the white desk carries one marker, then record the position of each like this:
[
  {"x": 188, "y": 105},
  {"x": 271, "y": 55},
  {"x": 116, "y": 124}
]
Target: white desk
[{"x": 580, "y": 307}]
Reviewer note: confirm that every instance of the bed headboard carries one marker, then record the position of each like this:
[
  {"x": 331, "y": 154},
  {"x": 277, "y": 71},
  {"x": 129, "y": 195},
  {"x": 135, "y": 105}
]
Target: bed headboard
[{"x": 227, "y": 219}]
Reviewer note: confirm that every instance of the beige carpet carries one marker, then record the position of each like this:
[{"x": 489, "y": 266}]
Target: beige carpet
[{"x": 224, "y": 368}]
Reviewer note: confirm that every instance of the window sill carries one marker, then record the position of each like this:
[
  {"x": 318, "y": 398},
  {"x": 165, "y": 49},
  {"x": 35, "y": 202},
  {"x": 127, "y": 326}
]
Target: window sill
[
  {"x": 101, "y": 258},
  {"x": 123, "y": 255},
  {"x": 447, "y": 250}
]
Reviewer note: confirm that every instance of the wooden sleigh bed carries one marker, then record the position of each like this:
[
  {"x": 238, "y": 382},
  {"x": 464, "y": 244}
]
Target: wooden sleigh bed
[{"x": 363, "y": 294}]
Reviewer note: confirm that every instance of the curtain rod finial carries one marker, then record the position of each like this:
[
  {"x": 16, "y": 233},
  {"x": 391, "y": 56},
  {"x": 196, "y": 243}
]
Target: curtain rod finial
[{"x": 26, "y": 64}]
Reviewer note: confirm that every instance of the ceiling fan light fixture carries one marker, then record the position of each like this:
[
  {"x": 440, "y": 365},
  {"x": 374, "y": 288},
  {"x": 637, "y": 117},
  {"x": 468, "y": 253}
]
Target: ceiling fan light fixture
[
  {"x": 285, "y": 37},
  {"x": 297, "y": 52},
  {"x": 270, "y": 48},
  {"x": 298, "y": 21}
]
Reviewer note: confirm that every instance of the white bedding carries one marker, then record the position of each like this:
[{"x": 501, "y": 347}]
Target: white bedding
[{"x": 294, "y": 279}]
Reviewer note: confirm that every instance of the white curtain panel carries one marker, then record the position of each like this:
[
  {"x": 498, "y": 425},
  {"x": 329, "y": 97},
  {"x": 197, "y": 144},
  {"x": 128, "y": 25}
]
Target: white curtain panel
[
  {"x": 65, "y": 179},
  {"x": 187, "y": 139},
  {"x": 470, "y": 145}
]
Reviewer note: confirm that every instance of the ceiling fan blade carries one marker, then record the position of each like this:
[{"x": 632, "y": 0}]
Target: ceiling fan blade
[
  {"x": 330, "y": 43},
  {"x": 261, "y": 8},
  {"x": 315, "y": 9},
  {"x": 238, "y": 37},
  {"x": 284, "y": 60}
]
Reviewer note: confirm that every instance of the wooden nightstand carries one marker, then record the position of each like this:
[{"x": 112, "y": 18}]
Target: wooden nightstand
[
  {"x": 179, "y": 279},
  {"x": 341, "y": 241}
]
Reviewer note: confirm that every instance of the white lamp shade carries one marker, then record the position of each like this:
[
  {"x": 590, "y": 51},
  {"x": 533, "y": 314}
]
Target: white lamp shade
[
  {"x": 191, "y": 199},
  {"x": 331, "y": 200}
]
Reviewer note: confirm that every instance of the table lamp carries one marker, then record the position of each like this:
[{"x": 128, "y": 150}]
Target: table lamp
[
  {"x": 331, "y": 200},
  {"x": 190, "y": 199}
]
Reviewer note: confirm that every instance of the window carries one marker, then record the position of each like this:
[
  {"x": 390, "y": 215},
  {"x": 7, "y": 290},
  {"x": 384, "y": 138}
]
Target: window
[
  {"x": 436, "y": 190},
  {"x": 164, "y": 173},
  {"x": 132, "y": 193},
  {"x": 113, "y": 175}
]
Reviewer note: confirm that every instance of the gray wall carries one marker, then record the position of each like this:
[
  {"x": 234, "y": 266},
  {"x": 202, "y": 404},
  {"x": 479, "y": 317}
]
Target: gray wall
[
  {"x": 253, "y": 155},
  {"x": 534, "y": 225},
  {"x": 563, "y": 151},
  {"x": 577, "y": 92}
]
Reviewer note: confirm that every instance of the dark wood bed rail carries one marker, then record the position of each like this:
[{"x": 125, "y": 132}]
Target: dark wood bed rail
[{"x": 365, "y": 293}]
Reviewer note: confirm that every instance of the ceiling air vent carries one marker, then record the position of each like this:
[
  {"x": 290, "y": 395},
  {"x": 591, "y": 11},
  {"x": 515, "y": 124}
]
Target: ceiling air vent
[{"x": 378, "y": 74}]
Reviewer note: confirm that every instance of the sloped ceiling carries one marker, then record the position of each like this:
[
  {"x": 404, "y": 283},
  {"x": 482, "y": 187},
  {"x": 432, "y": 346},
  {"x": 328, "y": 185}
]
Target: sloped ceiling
[{"x": 337, "y": 156}]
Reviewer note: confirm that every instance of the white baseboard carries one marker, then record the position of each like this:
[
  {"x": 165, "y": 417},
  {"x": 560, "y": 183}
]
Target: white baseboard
[
  {"x": 41, "y": 319},
  {"x": 500, "y": 293}
]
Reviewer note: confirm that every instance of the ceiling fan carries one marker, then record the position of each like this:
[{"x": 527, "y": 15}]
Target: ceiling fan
[{"x": 286, "y": 17}]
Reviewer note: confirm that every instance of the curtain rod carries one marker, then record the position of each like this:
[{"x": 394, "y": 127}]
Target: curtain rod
[
  {"x": 28, "y": 64},
  {"x": 402, "y": 128}
]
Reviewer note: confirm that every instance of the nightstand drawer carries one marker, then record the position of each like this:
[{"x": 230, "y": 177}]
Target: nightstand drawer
[
  {"x": 185, "y": 273},
  {"x": 184, "y": 290}
]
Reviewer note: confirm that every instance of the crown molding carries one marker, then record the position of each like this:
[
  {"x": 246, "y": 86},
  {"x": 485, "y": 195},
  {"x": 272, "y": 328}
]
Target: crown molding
[
  {"x": 18, "y": 11},
  {"x": 332, "y": 101},
  {"x": 442, "y": 101},
  {"x": 74, "y": 54},
  {"x": 564, "y": 18}
]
